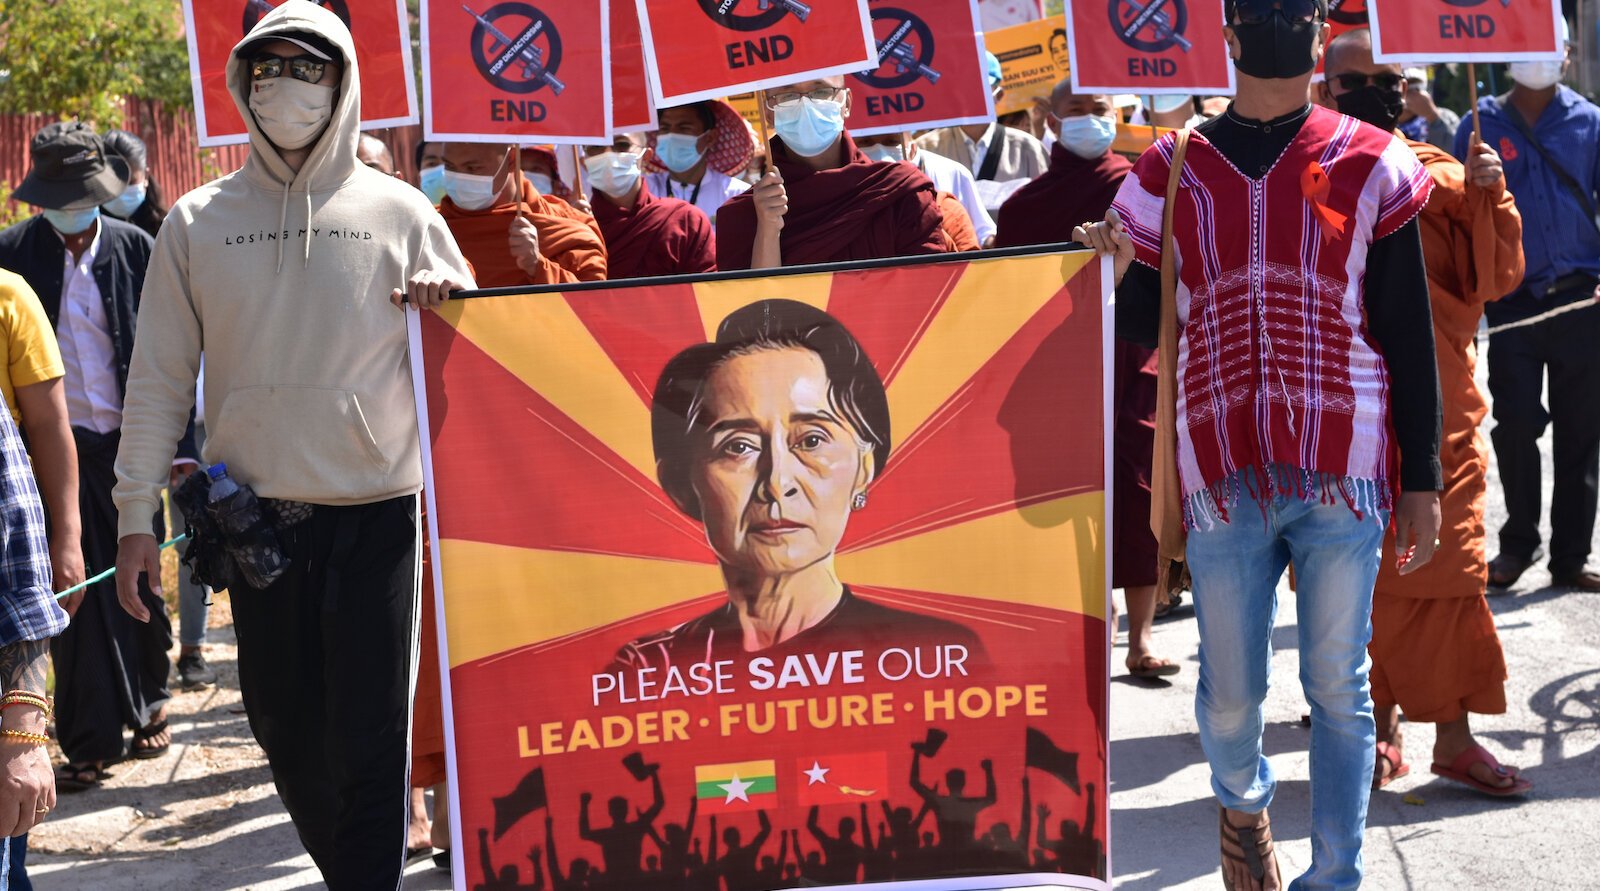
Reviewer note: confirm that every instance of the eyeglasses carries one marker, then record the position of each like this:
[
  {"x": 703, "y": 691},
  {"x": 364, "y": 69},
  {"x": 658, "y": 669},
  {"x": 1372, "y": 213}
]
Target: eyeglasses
[
  {"x": 790, "y": 97},
  {"x": 1254, "y": 12},
  {"x": 1352, "y": 82},
  {"x": 306, "y": 68}
]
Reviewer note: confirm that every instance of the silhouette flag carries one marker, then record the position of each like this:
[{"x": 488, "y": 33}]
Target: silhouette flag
[
  {"x": 1043, "y": 754},
  {"x": 528, "y": 797},
  {"x": 930, "y": 747}
]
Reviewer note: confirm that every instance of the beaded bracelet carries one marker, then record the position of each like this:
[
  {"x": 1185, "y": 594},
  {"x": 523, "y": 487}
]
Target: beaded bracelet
[
  {"x": 22, "y": 698},
  {"x": 37, "y": 739},
  {"x": 24, "y": 695}
]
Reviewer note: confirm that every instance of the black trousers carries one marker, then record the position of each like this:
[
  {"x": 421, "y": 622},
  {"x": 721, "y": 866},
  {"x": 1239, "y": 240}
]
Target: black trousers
[
  {"x": 327, "y": 658},
  {"x": 1567, "y": 350},
  {"x": 111, "y": 669}
]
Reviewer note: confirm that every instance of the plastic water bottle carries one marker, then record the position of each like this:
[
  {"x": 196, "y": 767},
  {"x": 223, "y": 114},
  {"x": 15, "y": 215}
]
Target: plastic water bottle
[{"x": 252, "y": 538}]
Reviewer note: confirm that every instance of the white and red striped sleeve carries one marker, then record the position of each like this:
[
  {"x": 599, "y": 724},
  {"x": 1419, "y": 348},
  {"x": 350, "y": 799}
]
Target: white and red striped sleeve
[
  {"x": 1402, "y": 185},
  {"x": 1142, "y": 199}
]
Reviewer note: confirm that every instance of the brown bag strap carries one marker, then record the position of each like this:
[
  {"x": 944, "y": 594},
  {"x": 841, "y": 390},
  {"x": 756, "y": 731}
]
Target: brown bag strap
[{"x": 1166, "y": 489}]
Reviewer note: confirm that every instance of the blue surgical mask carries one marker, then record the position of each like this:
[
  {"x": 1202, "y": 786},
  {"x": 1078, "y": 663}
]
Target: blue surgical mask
[
  {"x": 679, "y": 152},
  {"x": 809, "y": 127},
  {"x": 541, "y": 183},
  {"x": 72, "y": 222},
  {"x": 431, "y": 182},
  {"x": 884, "y": 152},
  {"x": 1169, "y": 104},
  {"x": 469, "y": 191},
  {"x": 125, "y": 204},
  {"x": 1087, "y": 136}
]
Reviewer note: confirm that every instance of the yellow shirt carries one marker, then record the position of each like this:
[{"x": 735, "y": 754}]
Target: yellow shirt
[{"x": 28, "y": 351}]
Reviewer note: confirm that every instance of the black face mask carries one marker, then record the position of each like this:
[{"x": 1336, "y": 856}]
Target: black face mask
[
  {"x": 1275, "y": 47},
  {"x": 1374, "y": 105}
]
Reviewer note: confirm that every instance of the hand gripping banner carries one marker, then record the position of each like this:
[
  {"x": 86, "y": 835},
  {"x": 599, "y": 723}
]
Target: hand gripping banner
[
  {"x": 707, "y": 49},
  {"x": 383, "y": 56},
  {"x": 930, "y": 69},
  {"x": 1149, "y": 47},
  {"x": 1433, "y": 31},
  {"x": 766, "y": 578},
  {"x": 516, "y": 70}
]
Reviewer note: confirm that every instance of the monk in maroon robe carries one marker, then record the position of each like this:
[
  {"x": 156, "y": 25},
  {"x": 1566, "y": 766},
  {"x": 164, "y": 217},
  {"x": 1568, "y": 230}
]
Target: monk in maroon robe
[
  {"x": 1081, "y": 183},
  {"x": 825, "y": 201},
  {"x": 645, "y": 235}
]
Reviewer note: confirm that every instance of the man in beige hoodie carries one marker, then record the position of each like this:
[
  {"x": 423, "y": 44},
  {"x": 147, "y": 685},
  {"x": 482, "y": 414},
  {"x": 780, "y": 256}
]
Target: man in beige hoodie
[{"x": 289, "y": 273}]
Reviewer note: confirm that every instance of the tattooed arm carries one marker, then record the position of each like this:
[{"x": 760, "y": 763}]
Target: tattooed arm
[{"x": 27, "y": 783}]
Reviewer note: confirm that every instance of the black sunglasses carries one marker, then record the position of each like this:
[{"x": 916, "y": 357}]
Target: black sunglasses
[
  {"x": 1254, "y": 12},
  {"x": 1386, "y": 81},
  {"x": 306, "y": 68}
]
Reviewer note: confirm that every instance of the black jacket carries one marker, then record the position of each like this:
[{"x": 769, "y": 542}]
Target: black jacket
[{"x": 35, "y": 251}]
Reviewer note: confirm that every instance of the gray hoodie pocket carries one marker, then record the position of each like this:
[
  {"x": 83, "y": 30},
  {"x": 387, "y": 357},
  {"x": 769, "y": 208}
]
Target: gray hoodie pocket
[{"x": 303, "y": 443}]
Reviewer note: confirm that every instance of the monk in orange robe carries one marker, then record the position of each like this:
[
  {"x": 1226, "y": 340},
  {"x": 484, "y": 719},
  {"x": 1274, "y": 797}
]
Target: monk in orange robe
[
  {"x": 959, "y": 233},
  {"x": 1435, "y": 653},
  {"x": 540, "y": 240}
]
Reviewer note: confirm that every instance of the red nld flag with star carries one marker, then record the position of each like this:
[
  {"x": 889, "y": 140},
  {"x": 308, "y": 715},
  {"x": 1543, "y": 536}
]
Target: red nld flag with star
[
  {"x": 514, "y": 71},
  {"x": 383, "y": 57},
  {"x": 707, "y": 49},
  {"x": 1432, "y": 31},
  {"x": 1148, "y": 47},
  {"x": 609, "y": 559},
  {"x": 930, "y": 69}
]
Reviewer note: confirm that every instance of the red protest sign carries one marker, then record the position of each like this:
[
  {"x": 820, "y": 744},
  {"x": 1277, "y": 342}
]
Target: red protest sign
[
  {"x": 1343, "y": 15},
  {"x": 631, "y": 108},
  {"x": 706, "y": 49},
  {"x": 1430, "y": 31},
  {"x": 1148, "y": 47},
  {"x": 930, "y": 69},
  {"x": 515, "y": 70},
  {"x": 383, "y": 59}
]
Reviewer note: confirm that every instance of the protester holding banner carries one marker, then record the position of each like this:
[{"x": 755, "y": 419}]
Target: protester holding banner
[
  {"x": 824, "y": 201},
  {"x": 1549, "y": 137},
  {"x": 1435, "y": 652},
  {"x": 1297, "y": 410},
  {"x": 698, "y": 155},
  {"x": 990, "y": 151},
  {"x": 950, "y": 178},
  {"x": 285, "y": 272},
  {"x": 645, "y": 235},
  {"x": 537, "y": 240}
]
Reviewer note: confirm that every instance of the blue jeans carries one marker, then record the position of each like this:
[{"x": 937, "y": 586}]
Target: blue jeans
[
  {"x": 1236, "y": 569},
  {"x": 13, "y": 864}
]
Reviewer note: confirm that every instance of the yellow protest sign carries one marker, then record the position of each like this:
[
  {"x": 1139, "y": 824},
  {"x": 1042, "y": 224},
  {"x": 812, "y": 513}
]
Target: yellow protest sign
[{"x": 1033, "y": 59}]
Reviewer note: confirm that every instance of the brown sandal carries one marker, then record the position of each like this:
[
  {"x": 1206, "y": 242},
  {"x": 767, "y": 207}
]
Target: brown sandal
[{"x": 1255, "y": 845}]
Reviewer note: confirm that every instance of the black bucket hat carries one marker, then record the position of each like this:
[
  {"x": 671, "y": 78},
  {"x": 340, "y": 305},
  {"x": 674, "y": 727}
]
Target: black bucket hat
[{"x": 71, "y": 169}]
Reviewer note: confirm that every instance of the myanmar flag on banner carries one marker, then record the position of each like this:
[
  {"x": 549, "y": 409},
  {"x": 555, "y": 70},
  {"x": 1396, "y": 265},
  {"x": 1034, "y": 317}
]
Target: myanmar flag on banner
[
  {"x": 745, "y": 786},
  {"x": 842, "y": 779}
]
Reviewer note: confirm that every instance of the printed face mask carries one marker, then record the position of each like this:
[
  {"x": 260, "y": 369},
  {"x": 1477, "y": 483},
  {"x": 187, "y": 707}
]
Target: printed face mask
[
  {"x": 72, "y": 222},
  {"x": 1373, "y": 104},
  {"x": 1087, "y": 136},
  {"x": 291, "y": 112},
  {"x": 469, "y": 191},
  {"x": 1275, "y": 47},
  {"x": 613, "y": 173},
  {"x": 431, "y": 182},
  {"x": 884, "y": 152},
  {"x": 1536, "y": 75},
  {"x": 125, "y": 204},
  {"x": 679, "y": 152},
  {"x": 809, "y": 127}
]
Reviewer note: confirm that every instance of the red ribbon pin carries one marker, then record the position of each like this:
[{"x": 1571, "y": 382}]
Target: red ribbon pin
[{"x": 1316, "y": 187}]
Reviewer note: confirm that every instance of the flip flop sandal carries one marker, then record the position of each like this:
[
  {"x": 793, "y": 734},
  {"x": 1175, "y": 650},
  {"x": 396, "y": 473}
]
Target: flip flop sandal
[
  {"x": 146, "y": 733},
  {"x": 1255, "y": 845},
  {"x": 1459, "y": 771},
  {"x": 1388, "y": 756},
  {"x": 1154, "y": 667},
  {"x": 415, "y": 854},
  {"x": 441, "y": 859},
  {"x": 71, "y": 777}
]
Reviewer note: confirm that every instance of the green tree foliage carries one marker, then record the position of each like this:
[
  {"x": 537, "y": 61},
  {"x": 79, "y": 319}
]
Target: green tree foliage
[{"x": 76, "y": 58}]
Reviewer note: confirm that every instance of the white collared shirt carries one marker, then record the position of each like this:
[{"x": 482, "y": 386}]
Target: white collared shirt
[
  {"x": 87, "y": 350},
  {"x": 713, "y": 190},
  {"x": 979, "y": 149}
]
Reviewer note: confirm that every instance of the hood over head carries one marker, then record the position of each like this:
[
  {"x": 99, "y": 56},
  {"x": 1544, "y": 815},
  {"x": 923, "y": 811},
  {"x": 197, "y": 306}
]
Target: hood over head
[{"x": 332, "y": 158}]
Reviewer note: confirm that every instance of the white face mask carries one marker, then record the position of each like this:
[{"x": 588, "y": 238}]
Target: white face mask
[
  {"x": 884, "y": 152},
  {"x": 469, "y": 191},
  {"x": 1536, "y": 75},
  {"x": 292, "y": 113},
  {"x": 1087, "y": 136},
  {"x": 614, "y": 173},
  {"x": 809, "y": 127}
]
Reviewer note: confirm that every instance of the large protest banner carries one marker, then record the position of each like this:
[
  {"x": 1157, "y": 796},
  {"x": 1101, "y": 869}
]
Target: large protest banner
[
  {"x": 1149, "y": 47},
  {"x": 1432, "y": 31},
  {"x": 930, "y": 70},
  {"x": 706, "y": 49},
  {"x": 383, "y": 56},
  {"x": 631, "y": 108},
  {"x": 803, "y": 569},
  {"x": 1033, "y": 59},
  {"x": 516, "y": 70}
]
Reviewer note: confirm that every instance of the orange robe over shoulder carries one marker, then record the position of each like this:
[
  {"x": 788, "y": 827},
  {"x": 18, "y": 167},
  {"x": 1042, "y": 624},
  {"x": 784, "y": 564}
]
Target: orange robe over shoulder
[
  {"x": 570, "y": 245},
  {"x": 1434, "y": 649},
  {"x": 959, "y": 234}
]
